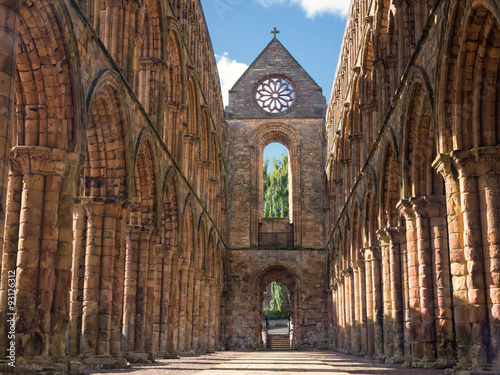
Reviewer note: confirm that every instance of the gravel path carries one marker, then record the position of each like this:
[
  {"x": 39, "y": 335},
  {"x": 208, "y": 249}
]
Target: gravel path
[{"x": 268, "y": 362}]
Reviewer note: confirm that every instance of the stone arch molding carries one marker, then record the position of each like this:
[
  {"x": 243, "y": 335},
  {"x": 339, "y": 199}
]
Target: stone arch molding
[
  {"x": 290, "y": 278},
  {"x": 288, "y": 136}
]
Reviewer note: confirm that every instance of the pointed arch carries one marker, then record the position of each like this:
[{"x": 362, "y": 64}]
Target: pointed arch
[
  {"x": 45, "y": 99},
  {"x": 389, "y": 188}
]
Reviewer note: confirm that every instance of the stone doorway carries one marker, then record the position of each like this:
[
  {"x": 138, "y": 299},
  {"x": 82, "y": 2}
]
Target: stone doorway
[{"x": 278, "y": 331}]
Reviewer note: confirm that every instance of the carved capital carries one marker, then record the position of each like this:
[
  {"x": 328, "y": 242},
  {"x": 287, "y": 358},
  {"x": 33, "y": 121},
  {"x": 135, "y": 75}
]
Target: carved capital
[
  {"x": 390, "y": 235},
  {"x": 477, "y": 161},
  {"x": 41, "y": 160},
  {"x": 429, "y": 206},
  {"x": 443, "y": 164},
  {"x": 405, "y": 209}
]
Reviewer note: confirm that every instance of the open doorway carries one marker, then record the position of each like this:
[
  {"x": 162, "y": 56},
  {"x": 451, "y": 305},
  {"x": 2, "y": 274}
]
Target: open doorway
[{"x": 278, "y": 311}]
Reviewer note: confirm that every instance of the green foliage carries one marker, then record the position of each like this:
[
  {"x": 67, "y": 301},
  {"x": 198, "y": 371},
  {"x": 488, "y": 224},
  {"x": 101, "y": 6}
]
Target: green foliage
[
  {"x": 277, "y": 314},
  {"x": 278, "y": 293},
  {"x": 276, "y": 187}
]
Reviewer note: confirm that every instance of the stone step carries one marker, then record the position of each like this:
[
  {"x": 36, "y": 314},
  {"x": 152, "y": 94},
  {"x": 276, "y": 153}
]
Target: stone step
[{"x": 278, "y": 342}]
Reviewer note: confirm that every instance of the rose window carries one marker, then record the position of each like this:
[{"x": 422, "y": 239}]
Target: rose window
[{"x": 275, "y": 95}]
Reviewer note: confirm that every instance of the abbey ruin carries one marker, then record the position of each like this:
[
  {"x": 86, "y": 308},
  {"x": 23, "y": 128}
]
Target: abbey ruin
[{"x": 131, "y": 205}]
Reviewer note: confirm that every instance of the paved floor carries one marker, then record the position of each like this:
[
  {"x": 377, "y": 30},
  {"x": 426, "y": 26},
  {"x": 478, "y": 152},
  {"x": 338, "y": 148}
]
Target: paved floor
[{"x": 269, "y": 362}]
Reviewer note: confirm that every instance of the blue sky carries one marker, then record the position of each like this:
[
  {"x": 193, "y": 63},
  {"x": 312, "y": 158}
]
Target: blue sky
[{"x": 311, "y": 30}]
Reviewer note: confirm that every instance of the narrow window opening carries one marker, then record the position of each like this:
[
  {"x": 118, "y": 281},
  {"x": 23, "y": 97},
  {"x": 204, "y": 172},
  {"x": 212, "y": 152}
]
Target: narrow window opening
[{"x": 276, "y": 172}]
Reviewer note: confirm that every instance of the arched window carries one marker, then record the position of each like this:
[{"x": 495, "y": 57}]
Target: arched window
[{"x": 276, "y": 181}]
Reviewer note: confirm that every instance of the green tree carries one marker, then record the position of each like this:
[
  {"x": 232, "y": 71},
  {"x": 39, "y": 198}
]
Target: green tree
[
  {"x": 276, "y": 187},
  {"x": 278, "y": 294}
]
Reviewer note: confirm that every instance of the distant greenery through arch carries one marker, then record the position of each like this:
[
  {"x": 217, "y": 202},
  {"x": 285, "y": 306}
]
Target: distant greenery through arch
[{"x": 276, "y": 186}]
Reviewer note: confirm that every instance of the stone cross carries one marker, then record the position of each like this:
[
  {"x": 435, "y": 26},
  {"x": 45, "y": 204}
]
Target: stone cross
[{"x": 275, "y": 32}]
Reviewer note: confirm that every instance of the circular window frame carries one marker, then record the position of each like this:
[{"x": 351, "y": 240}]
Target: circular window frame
[{"x": 280, "y": 77}]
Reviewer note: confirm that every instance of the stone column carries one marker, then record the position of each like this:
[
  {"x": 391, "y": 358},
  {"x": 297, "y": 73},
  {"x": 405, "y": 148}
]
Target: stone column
[
  {"x": 32, "y": 234},
  {"x": 370, "y": 313},
  {"x": 363, "y": 320},
  {"x": 434, "y": 267},
  {"x": 173, "y": 306},
  {"x": 356, "y": 337},
  {"x": 212, "y": 317},
  {"x": 139, "y": 288},
  {"x": 479, "y": 176},
  {"x": 183, "y": 302},
  {"x": 458, "y": 263},
  {"x": 341, "y": 314},
  {"x": 197, "y": 327},
  {"x": 78, "y": 277},
  {"x": 190, "y": 306},
  {"x": 391, "y": 239},
  {"x": 206, "y": 318},
  {"x": 387, "y": 293},
  {"x": 162, "y": 297},
  {"x": 9, "y": 30},
  {"x": 349, "y": 309},
  {"x": 413, "y": 319},
  {"x": 103, "y": 264},
  {"x": 378, "y": 301}
]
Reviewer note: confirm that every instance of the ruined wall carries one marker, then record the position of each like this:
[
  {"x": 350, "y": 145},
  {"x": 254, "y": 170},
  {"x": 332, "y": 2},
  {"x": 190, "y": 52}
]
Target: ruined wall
[
  {"x": 112, "y": 129},
  {"x": 255, "y": 259},
  {"x": 249, "y": 272},
  {"x": 413, "y": 133}
]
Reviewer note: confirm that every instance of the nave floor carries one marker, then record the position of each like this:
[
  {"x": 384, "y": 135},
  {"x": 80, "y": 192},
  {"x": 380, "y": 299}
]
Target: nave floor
[{"x": 269, "y": 362}]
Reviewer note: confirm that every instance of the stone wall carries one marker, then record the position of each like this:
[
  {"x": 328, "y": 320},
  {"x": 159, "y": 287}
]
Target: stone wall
[
  {"x": 413, "y": 135},
  {"x": 112, "y": 131},
  {"x": 249, "y": 272}
]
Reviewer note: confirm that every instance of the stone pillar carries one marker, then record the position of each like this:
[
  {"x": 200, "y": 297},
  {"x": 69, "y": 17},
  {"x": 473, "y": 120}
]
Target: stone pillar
[
  {"x": 183, "y": 302},
  {"x": 162, "y": 298},
  {"x": 370, "y": 311},
  {"x": 388, "y": 313},
  {"x": 32, "y": 252},
  {"x": 78, "y": 277},
  {"x": 363, "y": 324},
  {"x": 341, "y": 314},
  {"x": 378, "y": 301},
  {"x": 413, "y": 319},
  {"x": 356, "y": 333},
  {"x": 212, "y": 317},
  {"x": 349, "y": 310},
  {"x": 190, "y": 306},
  {"x": 391, "y": 239},
  {"x": 103, "y": 281},
  {"x": 173, "y": 306},
  {"x": 139, "y": 293},
  {"x": 9, "y": 30},
  {"x": 196, "y": 311},
  {"x": 434, "y": 273},
  {"x": 206, "y": 318},
  {"x": 478, "y": 174},
  {"x": 458, "y": 263}
]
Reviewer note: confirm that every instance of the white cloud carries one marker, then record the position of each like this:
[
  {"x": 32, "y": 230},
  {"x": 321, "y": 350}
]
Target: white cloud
[
  {"x": 229, "y": 72},
  {"x": 313, "y": 8}
]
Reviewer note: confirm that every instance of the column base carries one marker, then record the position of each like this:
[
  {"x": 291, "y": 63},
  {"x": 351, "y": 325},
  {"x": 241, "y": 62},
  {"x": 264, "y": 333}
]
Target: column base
[
  {"x": 38, "y": 365},
  {"x": 479, "y": 370},
  {"x": 96, "y": 362},
  {"x": 444, "y": 363},
  {"x": 394, "y": 359},
  {"x": 166, "y": 355},
  {"x": 134, "y": 357}
]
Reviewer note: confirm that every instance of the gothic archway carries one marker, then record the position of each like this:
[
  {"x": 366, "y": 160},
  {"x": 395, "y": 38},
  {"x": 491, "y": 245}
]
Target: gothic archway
[{"x": 288, "y": 277}]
